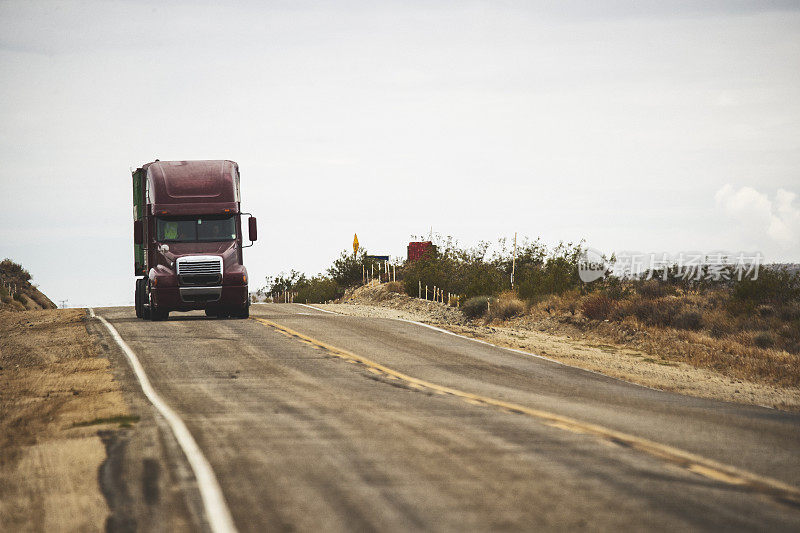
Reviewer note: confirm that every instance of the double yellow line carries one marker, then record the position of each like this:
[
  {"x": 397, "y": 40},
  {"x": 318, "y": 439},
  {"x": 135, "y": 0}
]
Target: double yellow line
[{"x": 694, "y": 463}]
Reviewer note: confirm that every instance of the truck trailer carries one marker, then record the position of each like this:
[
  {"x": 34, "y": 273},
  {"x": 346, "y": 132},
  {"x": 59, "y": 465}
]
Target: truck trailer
[{"x": 187, "y": 239}]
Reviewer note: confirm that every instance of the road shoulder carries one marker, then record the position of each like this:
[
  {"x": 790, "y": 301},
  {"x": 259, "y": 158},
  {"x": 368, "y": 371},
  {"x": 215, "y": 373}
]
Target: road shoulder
[{"x": 58, "y": 397}]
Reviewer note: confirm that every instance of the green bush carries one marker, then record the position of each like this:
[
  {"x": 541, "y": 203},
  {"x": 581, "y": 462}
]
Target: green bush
[
  {"x": 317, "y": 290},
  {"x": 20, "y": 298},
  {"x": 475, "y": 307},
  {"x": 347, "y": 270}
]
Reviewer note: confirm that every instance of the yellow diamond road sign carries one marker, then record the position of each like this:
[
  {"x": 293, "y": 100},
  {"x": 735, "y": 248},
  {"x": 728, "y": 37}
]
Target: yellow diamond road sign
[{"x": 355, "y": 243}]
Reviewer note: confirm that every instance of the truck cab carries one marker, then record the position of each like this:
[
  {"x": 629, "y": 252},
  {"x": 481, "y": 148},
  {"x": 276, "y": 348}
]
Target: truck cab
[{"x": 188, "y": 239}]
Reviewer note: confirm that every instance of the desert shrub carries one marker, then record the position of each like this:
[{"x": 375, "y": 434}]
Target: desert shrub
[
  {"x": 20, "y": 298},
  {"x": 507, "y": 306},
  {"x": 317, "y": 290},
  {"x": 11, "y": 271},
  {"x": 395, "y": 286},
  {"x": 616, "y": 288},
  {"x": 773, "y": 286},
  {"x": 692, "y": 320},
  {"x": 540, "y": 273},
  {"x": 598, "y": 306},
  {"x": 765, "y": 339},
  {"x": 718, "y": 322},
  {"x": 475, "y": 307},
  {"x": 464, "y": 271},
  {"x": 347, "y": 269},
  {"x": 789, "y": 312},
  {"x": 658, "y": 312},
  {"x": 652, "y": 289},
  {"x": 765, "y": 310}
]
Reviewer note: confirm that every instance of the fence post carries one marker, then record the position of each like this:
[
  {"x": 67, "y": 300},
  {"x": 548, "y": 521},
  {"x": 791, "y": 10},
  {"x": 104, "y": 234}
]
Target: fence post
[
  {"x": 420, "y": 290},
  {"x": 426, "y": 293}
]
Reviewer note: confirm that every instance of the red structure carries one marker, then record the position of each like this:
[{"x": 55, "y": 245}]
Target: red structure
[{"x": 417, "y": 249}]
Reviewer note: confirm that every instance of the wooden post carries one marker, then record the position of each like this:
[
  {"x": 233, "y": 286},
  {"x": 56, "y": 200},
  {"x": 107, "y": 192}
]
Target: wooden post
[
  {"x": 426, "y": 292},
  {"x": 420, "y": 290},
  {"x": 514, "y": 261}
]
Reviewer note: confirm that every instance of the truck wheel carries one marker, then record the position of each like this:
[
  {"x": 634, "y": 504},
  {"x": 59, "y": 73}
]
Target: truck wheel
[
  {"x": 244, "y": 313},
  {"x": 137, "y": 299},
  {"x": 210, "y": 313}
]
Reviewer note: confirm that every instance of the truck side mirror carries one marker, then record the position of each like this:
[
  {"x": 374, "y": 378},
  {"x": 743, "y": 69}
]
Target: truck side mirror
[
  {"x": 138, "y": 233},
  {"x": 252, "y": 228}
]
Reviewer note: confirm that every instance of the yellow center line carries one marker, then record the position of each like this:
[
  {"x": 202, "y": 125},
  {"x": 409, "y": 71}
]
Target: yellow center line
[{"x": 700, "y": 465}]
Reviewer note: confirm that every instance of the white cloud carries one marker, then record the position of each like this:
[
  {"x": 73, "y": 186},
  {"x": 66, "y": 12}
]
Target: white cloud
[{"x": 778, "y": 218}]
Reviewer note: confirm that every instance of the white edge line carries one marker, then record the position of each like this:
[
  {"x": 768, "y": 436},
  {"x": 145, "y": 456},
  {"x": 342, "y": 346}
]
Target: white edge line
[
  {"x": 217, "y": 512},
  {"x": 318, "y": 309}
]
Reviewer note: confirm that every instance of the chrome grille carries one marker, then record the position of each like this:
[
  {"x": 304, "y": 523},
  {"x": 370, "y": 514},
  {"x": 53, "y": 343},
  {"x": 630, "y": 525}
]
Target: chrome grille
[
  {"x": 202, "y": 270},
  {"x": 199, "y": 267}
]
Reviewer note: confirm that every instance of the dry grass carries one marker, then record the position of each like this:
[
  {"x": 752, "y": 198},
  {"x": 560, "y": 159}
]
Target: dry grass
[
  {"x": 507, "y": 305},
  {"x": 51, "y": 383},
  {"x": 396, "y": 287},
  {"x": 690, "y": 328}
]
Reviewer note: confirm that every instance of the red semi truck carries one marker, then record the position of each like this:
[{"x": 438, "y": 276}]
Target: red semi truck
[{"x": 187, "y": 239}]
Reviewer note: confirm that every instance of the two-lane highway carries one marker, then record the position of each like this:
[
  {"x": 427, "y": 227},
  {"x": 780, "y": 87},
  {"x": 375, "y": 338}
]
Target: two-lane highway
[{"x": 314, "y": 421}]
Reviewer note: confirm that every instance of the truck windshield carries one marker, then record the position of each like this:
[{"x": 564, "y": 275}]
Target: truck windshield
[{"x": 196, "y": 229}]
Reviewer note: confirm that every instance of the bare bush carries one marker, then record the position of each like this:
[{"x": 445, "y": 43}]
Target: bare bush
[{"x": 597, "y": 306}]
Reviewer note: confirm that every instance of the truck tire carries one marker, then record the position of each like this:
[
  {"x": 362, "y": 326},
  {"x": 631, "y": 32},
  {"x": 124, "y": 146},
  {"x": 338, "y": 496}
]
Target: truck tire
[
  {"x": 244, "y": 313},
  {"x": 140, "y": 298},
  {"x": 137, "y": 301}
]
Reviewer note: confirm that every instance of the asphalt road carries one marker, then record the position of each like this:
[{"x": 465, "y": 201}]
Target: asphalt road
[{"x": 314, "y": 421}]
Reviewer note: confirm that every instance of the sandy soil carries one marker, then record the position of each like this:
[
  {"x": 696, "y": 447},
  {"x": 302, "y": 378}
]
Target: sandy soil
[
  {"x": 54, "y": 388},
  {"x": 583, "y": 350}
]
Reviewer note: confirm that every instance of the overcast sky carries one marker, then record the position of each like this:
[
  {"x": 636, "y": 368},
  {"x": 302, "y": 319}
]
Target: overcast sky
[{"x": 651, "y": 126}]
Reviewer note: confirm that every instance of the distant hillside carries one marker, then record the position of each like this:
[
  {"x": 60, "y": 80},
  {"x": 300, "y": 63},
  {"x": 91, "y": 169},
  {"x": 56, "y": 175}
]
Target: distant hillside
[{"x": 16, "y": 291}]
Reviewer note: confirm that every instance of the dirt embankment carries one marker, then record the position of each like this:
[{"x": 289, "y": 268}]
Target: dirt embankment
[
  {"x": 638, "y": 360},
  {"x": 17, "y": 293},
  {"x": 56, "y": 393}
]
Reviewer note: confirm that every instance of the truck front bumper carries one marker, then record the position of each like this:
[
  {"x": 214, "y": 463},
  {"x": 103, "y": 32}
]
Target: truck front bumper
[{"x": 191, "y": 298}]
